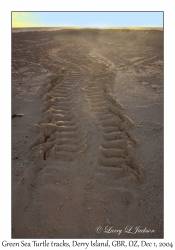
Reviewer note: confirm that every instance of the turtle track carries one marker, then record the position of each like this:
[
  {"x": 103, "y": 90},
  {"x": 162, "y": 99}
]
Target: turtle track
[
  {"x": 61, "y": 134},
  {"x": 117, "y": 147}
]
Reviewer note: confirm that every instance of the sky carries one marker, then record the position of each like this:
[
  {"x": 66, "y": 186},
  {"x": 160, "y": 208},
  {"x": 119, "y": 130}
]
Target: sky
[{"x": 87, "y": 19}]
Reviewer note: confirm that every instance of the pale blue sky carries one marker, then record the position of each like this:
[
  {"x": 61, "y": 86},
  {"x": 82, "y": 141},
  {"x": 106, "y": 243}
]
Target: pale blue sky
[{"x": 95, "y": 19}]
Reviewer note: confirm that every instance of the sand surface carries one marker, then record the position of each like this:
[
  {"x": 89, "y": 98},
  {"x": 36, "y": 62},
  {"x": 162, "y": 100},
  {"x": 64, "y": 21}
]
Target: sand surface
[{"x": 87, "y": 134}]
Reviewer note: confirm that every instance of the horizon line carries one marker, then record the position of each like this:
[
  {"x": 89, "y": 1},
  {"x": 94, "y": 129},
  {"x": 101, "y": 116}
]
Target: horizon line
[{"x": 85, "y": 27}]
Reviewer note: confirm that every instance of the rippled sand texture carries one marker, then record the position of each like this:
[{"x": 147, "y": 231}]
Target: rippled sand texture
[{"x": 87, "y": 145}]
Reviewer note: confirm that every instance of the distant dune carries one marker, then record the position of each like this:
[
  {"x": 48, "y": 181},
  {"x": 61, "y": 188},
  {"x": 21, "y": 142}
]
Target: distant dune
[{"x": 60, "y": 28}]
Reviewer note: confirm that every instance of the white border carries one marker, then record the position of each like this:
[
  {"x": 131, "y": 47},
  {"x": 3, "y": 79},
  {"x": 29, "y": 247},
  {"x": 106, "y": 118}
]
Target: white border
[{"x": 5, "y": 92}]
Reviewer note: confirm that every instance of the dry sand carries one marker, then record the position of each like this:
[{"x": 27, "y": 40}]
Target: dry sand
[{"x": 87, "y": 133}]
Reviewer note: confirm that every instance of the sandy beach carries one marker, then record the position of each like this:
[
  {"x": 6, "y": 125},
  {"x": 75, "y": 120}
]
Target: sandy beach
[{"x": 87, "y": 133}]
